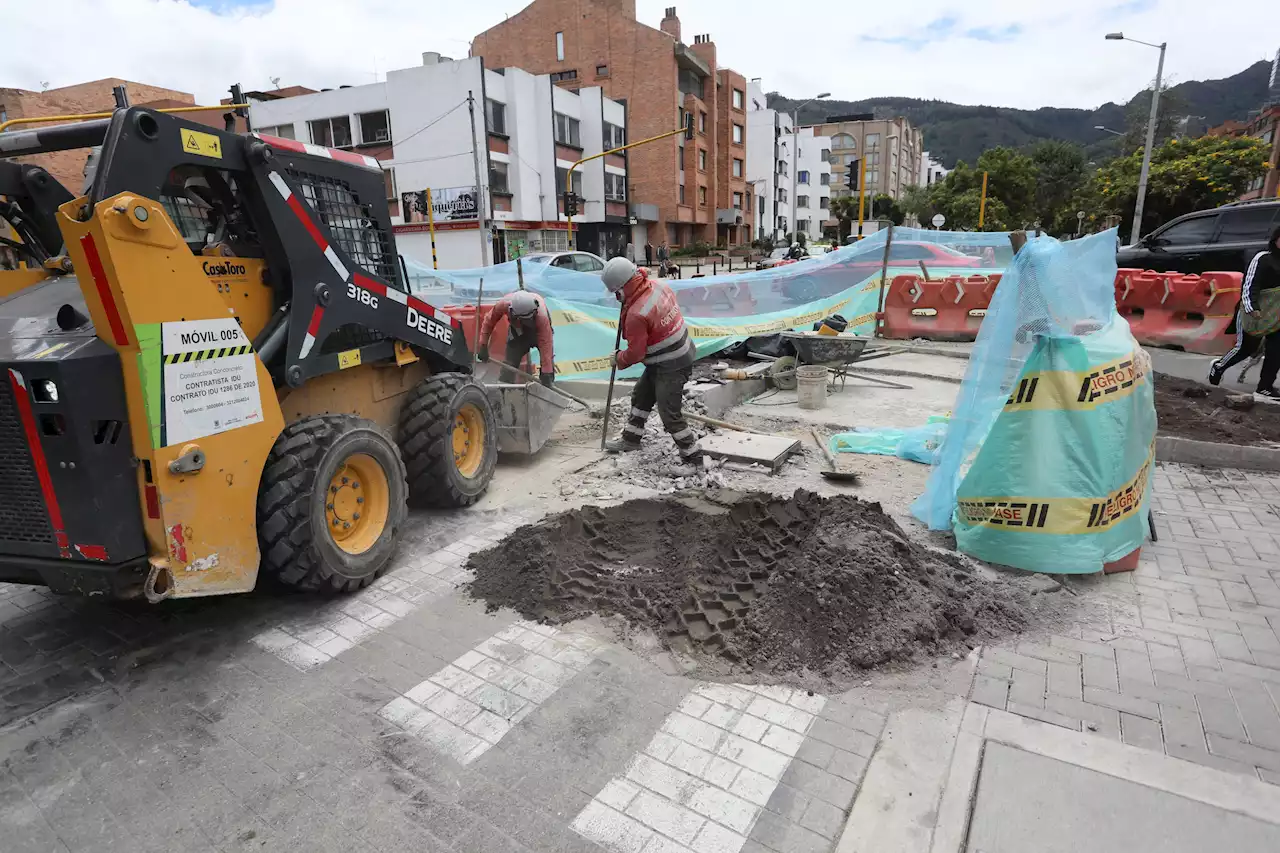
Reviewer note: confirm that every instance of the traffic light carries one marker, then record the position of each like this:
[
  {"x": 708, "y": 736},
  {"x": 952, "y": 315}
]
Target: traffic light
[
  {"x": 688, "y": 125},
  {"x": 570, "y": 204},
  {"x": 854, "y": 183}
]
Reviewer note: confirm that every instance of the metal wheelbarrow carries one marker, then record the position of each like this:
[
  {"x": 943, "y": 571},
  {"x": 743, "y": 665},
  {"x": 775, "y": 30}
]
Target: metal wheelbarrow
[
  {"x": 526, "y": 414},
  {"x": 837, "y": 353}
]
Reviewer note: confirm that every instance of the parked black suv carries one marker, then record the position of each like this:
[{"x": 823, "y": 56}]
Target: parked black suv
[{"x": 1221, "y": 240}]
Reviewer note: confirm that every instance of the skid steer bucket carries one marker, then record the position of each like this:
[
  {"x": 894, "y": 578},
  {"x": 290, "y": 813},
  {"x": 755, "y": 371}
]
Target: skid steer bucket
[{"x": 526, "y": 415}]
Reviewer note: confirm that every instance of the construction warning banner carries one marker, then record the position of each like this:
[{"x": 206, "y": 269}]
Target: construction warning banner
[{"x": 1060, "y": 483}]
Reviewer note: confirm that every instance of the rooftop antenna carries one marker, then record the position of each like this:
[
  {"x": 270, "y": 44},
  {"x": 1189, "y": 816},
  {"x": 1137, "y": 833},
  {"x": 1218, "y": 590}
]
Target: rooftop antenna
[{"x": 275, "y": 81}]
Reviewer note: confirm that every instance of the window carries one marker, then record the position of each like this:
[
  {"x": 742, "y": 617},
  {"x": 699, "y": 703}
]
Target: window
[
  {"x": 873, "y": 158},
  {"x": 375, "y": 127},
  {"x": 557, "y": 76},
  {"x": 615, "y": 187},
  {"x": 737, "y": 134},
  {"x": 1188, "y": 233},
  {"x": 567, "y": 131},
  {"x": 583, "y": 262},
  {"x": 680, "y": 155},
  {"x": 564, "y": 262},
  {"x": 284, "y": 131},
  {"x": 682, "y": 201},
  {"x": 1250, "y": 224},
  {"x": 871, "y": 139},
  {"x": 702, "y": 160},
  {"x": 498, "y": 177},
  {"x": 873, "y": 177},
  {"x": 802, "y": 201},
  {"x": 495, "y": 116},
  {"x": 908, "y": 252},
  {"x": 844, "y": 140},
  {"x": 613, "y": 137},
  {"x": 802, "y": 177},
  {"x": 782, "y": 194},
  {"x": 577, "y": 181},
  {"x": 826, "y": 155},
  {"x": 331, "y": 132},
  {"x": 824, "y": 179},
  {"x": 559, "y": 47},
  {"x": 738, "y": 99},
  {"x": 802, "y": 224},
  {"x": 737, "y": 197},
  {"x": 737, "y": 168},
  {"x": 824, "y": 203},
  {"x": 702, "y": 122},
  {"x": 389, "y": 183},
  {"x": 602, "y": 71},
  {"x": 702, "y": 196}
]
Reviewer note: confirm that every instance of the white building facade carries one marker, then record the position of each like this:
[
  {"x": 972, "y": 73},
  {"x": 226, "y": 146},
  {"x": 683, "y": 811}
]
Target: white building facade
[
  {"x": 931, "y": 171},
  {"x": 770, "y": 160},
  {"x": 813, "y": 183},
  {"x": 518, "y": 131}
]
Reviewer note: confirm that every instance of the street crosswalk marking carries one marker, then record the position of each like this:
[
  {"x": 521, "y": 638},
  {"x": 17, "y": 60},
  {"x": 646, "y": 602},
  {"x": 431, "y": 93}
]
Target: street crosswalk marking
[
  {"x": 470, "y": 705},
  {"x": 700, "y": 784}
]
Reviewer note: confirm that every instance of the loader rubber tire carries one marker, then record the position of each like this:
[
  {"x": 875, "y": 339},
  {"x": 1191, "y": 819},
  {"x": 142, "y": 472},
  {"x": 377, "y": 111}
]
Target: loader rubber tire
[
  {"x": 294, "y": 510},
  {"x": 427, "y": 423}
]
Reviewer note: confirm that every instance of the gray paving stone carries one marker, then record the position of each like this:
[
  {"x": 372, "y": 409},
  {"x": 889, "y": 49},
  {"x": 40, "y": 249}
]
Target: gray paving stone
[
  {"x": 1100, "y": 673},
  {"x": 788, "y": 802},
  {"x": 816, "y": 752},
  {"x": 1104, "y": 721},
  {"x": 823, "y": 818},
  {"x": 1162, "y": 695},
  {"x": 783, "y": 836},
  {"x": 1187, "y": 685},
  {"x": 1017, "y": 661},
  {"x": 1028, "y": 688},
  {"x": 1231, "y": 646},
  {"x": 1209, "y": 759},
  {"x": 1219, "y": 716},
  {"x": 818, "y": 783},
  {"x": 990, "y": 691},
  {"x": 1261, "y": 720},
  {"x": 1043, "y": 715},
  {"x": 1181, "y": 727},
  {"x": 1065, "y": 679},
  {"x": 1134, "y": 667},
  {"x": 1166, "y": 659},
  {"x": 1119, "y": 702},
  {"x": 1198, "y": 652},
  {"x": 1246, "y": 753},
  {"x": 847, "y": 765},
  {"x": 842, "y": 737},
  {"x": 1139, "y": 731}
]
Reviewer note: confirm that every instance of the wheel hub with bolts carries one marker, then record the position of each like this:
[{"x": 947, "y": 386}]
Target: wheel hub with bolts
[
  {"x": 356, "y": 503},
  {"x": 468, "y": 440}
]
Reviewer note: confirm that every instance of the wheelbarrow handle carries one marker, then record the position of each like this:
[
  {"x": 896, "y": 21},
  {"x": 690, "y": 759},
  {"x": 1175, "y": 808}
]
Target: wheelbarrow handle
[{"x": 533, "y": 378}]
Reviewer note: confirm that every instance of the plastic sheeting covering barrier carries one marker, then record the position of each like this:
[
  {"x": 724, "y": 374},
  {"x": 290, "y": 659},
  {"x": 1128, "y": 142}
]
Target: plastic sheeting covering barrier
[
  {"x": 1046, "y": 464},
  {"x": 918, "y": 444},
  {"x": 724, "y": 309}
]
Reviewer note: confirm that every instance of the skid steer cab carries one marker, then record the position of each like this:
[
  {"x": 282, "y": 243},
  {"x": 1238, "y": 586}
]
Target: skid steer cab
[{"x": 211, "y": 368}]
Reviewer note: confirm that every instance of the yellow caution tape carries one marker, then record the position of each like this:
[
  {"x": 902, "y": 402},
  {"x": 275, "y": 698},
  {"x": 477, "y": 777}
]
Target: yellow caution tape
[{"x": 1064, "y": 389}]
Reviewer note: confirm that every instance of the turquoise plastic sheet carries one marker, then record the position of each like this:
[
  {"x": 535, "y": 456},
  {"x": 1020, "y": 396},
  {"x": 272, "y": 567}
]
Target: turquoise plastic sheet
[
  {"x": 1047, "y": 461},
  {"x": 917, "y": 444},
  {"x": 723, "y": 309}
]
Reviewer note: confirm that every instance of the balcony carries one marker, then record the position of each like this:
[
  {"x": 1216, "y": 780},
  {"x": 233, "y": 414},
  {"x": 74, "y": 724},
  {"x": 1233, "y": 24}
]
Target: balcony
[{"x": 729, "y": 216}]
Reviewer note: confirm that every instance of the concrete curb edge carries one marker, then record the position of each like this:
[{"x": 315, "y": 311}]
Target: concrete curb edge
[{"x": 1215, "y": 455}]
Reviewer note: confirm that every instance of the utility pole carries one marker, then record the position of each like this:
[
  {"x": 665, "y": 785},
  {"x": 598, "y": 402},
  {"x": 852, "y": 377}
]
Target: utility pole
[
  {"x": 1146, "y": 151},
  {"x": 862, "y": 190},
  {"x": 480, "y": 195},
  {"x": 982, "y": 205}
]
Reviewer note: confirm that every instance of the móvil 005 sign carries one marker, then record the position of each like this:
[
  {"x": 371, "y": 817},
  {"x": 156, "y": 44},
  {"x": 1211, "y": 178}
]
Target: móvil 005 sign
[{"x": 210, "y": 379}]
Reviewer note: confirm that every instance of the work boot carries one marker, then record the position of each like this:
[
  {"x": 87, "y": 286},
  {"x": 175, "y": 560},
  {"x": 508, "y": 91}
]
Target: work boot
[{"x": 621, "y": 445}]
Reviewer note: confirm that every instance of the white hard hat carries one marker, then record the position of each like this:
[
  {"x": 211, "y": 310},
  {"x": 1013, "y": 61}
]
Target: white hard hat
[
  {"x": 795, "y": 245},
  {"x": 523, "y": 304},
  {"x": 617, "y": 272}
]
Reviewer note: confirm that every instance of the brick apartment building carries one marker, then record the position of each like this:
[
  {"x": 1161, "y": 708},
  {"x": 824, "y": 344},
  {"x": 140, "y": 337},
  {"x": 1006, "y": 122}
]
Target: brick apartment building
[
  {"x": 684, "y": 191},
  {"x": 92, "y": 97}
]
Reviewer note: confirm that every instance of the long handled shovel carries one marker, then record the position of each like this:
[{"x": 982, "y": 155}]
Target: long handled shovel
[{"x": 613, "y": 374}]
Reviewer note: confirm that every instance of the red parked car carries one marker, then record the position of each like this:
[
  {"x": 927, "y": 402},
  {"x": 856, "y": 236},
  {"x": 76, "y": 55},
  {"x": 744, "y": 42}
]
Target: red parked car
[{"x": 831, "y": 278}]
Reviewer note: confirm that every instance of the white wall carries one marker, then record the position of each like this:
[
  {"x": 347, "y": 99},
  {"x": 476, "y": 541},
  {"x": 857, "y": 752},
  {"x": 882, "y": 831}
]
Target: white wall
[
  {"x": 298, "y": 111},
  {"x": 811, "y": 148},
  {"x": 763, "y": 125}
]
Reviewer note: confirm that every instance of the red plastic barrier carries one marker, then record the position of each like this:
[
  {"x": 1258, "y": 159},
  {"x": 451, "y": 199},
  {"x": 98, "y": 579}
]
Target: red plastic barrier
[
  {"x": 946, "y": 309},
  {"x": 1187, "y": 312},
  {"x": 466, "y": 314}
]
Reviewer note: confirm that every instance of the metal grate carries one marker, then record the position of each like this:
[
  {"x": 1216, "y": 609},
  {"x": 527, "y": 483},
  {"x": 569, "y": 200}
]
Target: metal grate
[
  {"x": 194, "y": 219},
  {"x": 350, "y": 336},
  {"x": 351, "y": 223},
  {"x": 23, "y": 516}
]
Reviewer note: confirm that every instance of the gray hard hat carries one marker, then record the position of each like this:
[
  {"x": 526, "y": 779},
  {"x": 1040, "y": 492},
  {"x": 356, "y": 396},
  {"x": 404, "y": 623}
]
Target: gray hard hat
[
  {"x": 617, "y": 272},
  {"x": 523, "y": 304},
  {"x": 795, "y": 245}
]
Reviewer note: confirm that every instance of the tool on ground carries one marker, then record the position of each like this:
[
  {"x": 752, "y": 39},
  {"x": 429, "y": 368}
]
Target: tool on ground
[
  {"x": 479, "y": 301},
  {"x": 179, "y": 434},
  {"x": 703, "y": 419},
  {"x": 835, "y": 474},
  {"x": 518, "y": 372},
  {"x": 613, "y": 375}
]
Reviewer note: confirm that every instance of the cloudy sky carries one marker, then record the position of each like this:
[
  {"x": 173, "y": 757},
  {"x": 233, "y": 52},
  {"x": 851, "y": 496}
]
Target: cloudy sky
[{"x": 1023, "y": 53}]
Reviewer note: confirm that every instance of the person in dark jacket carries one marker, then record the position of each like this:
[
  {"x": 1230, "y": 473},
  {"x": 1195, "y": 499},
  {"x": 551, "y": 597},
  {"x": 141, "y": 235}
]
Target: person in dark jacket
[
  {"x": 648, "y": 254},
  {"x": 1260, "y": 288},
  {"x": 657, "y": 338}
]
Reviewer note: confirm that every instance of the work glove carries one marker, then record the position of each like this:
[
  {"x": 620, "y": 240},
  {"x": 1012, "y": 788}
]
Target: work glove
[
  {"x": 546, "y": 379},
  {"x": 482, "y": 354},
  {"x": 613, "y": 360}
]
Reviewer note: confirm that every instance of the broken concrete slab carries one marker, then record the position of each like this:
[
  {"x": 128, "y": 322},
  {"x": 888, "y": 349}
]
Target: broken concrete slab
[{"x": 767, "y": 450}]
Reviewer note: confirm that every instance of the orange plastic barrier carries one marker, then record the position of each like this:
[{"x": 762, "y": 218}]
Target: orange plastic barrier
[
  {"x": 943, "y": 309},
  {"x": 466, "y": 314},
  {"x": 1187, "y": 312}
]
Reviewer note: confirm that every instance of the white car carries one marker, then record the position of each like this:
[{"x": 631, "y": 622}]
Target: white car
[{"x": 580, "y": 261}]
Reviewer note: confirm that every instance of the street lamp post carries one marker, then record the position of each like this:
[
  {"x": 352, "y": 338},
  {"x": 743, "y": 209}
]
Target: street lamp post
[
  {"x": 795, "y": 162},
  {"x": 1151, "y": 134},
  {"x": 1107, "y": 130}
]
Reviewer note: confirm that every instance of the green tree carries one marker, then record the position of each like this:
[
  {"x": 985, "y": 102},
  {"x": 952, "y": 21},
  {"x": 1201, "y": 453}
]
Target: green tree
[
  {"x": 1186, "y": 175},
  {"x": 885, "y": 206},
  {"x": 1060, "y": 172},
  {"x": 915, "y": 202},
  {"x": 844, "y": 209}
]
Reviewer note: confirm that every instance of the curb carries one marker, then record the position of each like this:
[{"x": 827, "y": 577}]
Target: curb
[
  {"x": 722, "y": 398},
  {"x": 1215, "y": 455}
]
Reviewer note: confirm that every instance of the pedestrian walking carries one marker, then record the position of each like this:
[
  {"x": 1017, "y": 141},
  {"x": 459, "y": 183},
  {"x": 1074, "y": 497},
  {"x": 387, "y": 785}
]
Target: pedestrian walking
[
  {"x": 528, "y": 327},
  {"x": 656, "y": 336},
  {"x": 664, "y": 252},
  {"x": 648, "y": 254},
  {"x": 1258, "y": 322},
  {"x": 631, "y": 251}
]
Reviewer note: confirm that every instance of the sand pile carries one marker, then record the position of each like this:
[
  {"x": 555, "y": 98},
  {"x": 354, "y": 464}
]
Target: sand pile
[{"x": 776, "y": 585}]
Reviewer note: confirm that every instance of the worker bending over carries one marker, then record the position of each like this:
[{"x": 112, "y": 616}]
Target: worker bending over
[
  {"x": 528, "y": 327},
  {"x": 656, "y": 335}
]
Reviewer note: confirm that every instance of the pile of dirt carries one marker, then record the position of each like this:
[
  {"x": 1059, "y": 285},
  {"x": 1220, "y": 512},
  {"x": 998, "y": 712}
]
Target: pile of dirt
[
  {"x": 773, "y": 585},
  {"x": 1188, "y": 409}
]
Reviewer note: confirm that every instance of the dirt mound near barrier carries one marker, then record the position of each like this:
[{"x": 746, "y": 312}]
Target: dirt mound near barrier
[{"x": 778, "y": 585}]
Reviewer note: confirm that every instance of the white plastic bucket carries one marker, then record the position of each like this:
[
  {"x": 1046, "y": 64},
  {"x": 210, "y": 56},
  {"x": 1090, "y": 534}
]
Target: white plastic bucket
[{"x": 811, "y": 386}]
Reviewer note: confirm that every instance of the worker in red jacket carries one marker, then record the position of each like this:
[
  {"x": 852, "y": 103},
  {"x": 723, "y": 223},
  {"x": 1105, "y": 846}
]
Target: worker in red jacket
[
  {"x": 529, "y": 327},
  {"x": 657, "y": 337}
]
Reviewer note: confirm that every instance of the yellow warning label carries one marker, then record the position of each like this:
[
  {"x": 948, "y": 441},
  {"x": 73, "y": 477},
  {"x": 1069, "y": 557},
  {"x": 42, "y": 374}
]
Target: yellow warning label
[
  {"x": 350, "y": 358},
  {"x": 1063, "y": 389},
  {"x": 1069, "y": 516},
  {"x": 204, "y": 144}
]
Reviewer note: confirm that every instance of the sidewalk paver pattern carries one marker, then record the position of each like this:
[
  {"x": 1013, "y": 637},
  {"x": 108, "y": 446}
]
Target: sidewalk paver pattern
[{"x": 1187, "y": 659}]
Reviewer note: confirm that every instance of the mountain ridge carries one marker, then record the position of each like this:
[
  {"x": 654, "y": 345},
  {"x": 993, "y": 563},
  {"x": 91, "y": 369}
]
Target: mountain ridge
[{"x": 955, "y": 132}]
